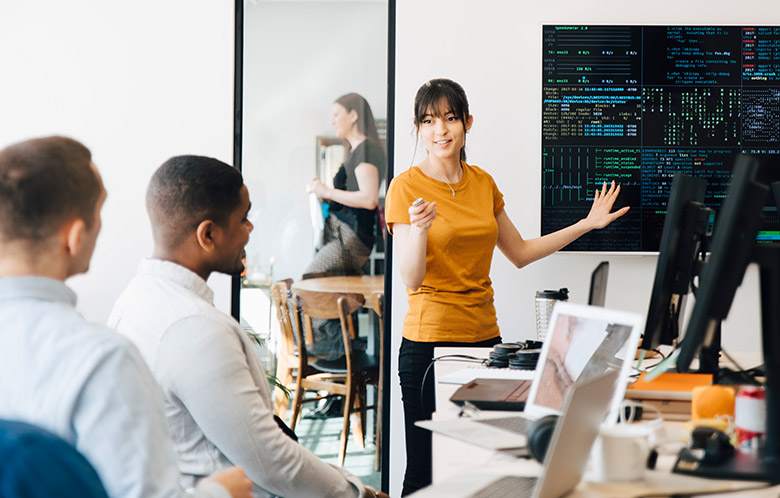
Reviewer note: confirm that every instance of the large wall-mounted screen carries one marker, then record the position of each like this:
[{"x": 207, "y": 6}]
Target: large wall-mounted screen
[{"x": 639, "y": 103}]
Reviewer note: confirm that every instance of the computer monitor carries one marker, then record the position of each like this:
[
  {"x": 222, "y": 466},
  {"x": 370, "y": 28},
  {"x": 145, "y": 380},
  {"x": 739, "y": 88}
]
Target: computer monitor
[
  {"x": 776, "y": 193},
  {"x": 598, "y": 285},
  {"x": 638, "y": 103},
  {"x": 682, "y": 242},
  {"x": 733, "y": 247}
]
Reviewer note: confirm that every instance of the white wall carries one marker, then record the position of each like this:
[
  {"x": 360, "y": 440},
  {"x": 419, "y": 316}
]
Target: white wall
[
  {"x": 493, "y": 48},
  {"x": 137, "y": 82}
]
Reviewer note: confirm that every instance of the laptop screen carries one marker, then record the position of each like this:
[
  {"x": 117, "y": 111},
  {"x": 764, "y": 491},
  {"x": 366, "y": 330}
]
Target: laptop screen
[{"x": 583, "y": 342}]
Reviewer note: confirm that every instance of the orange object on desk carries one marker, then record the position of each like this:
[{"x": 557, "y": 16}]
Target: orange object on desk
[{"x": 712, "y": 402}]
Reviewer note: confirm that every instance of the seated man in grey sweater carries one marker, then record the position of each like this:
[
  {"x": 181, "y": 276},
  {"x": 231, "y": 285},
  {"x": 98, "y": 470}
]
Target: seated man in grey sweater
[
  {"x": 217, "y": 397},
  {"x": 78, "y": 380}
]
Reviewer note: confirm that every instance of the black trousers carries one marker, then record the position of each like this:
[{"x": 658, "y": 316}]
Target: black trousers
[{"x": 413, "y": 361}]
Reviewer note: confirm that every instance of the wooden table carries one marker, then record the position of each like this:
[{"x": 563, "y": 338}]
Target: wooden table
[{"x": 358, "y": 284}]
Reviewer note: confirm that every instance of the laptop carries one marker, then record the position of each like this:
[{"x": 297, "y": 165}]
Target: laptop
[
  {"x": 583, "y": 342},
  {"x": 494, "y": 394},
  {"x": 575, "y": 432}
]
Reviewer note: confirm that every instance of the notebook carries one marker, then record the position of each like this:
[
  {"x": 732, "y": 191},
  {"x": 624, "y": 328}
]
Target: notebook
[
  {"x": 583, "y": 412},
  {"x": 668, "y": 386},
  {"x": 583, "y": 342}
]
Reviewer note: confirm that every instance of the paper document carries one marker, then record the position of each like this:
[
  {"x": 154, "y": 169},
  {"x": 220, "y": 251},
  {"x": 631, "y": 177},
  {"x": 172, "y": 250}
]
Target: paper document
[
  {"x": 466, "y": 375},
  {"x": 317, "y": 221}
]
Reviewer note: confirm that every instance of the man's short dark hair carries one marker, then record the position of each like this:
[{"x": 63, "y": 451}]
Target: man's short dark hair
[
  {"x": 44, "y": 182},
  {"x": 187, "y": 190}
]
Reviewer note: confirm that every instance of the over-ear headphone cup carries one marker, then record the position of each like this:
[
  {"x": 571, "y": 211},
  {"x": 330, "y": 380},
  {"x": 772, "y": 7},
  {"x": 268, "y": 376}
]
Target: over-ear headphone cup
[
  {"x": 718, "y": 450},
  {"x": 539, "y": 434},
  {"x": 716, "y": 444}
]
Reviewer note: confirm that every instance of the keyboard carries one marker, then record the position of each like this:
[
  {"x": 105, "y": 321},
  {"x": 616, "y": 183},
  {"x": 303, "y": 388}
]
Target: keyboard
[
  {"x": 517, "y": 425},
  {"x": 508, "y": 487},
  {"x": 466, "y": 375}
]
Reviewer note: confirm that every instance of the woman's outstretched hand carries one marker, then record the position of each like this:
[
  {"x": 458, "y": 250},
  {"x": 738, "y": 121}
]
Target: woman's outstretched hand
[{"x": 600, "y": 215}]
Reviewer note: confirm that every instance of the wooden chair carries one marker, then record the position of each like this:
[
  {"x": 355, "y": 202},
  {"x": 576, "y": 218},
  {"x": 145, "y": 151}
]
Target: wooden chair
[
  {"x": 378, "y": 304},
  {"x": 286, "y": 355},
  {"x": 346, "y": 376},
  {"x": 288, "y": 362}
]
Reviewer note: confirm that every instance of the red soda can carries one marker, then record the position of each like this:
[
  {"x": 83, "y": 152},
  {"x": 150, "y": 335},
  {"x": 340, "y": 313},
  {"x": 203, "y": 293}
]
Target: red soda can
[{"x": 750, "y": 416}]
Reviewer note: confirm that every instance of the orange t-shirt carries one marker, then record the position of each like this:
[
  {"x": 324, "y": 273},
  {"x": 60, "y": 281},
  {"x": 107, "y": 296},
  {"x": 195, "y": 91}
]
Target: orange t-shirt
[{"x": 455, "y": 300}]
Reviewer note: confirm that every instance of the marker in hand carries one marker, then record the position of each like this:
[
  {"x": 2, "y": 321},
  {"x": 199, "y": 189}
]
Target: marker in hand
[{"x": 417, "y": 202}]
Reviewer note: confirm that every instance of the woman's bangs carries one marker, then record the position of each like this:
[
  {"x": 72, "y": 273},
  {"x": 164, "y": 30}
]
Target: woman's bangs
[{"x": 438, "y": 102}]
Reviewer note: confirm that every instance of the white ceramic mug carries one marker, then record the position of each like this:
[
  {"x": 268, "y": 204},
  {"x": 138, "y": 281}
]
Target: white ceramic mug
[{"x": 621, "y": 452}]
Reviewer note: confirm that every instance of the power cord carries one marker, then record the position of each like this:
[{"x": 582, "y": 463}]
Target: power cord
[
  {"x": 739, "y": 376},
  {"x": 446, "y": 357}
]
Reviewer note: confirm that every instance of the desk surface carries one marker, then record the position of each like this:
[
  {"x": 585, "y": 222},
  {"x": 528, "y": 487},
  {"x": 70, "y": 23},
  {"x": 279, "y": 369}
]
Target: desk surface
[
  {"x": 452, "y": 458},
  {"x": 361, "y": 284}
]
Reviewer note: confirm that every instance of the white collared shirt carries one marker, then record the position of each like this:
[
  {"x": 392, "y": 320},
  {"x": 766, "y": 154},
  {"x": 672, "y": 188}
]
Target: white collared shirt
[
  {"x": 217, "y": 397},
  {"x": 88, "y": 385}
]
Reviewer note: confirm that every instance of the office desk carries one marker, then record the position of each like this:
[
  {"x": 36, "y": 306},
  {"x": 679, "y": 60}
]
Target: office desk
[{"x": 452, "y": 458}]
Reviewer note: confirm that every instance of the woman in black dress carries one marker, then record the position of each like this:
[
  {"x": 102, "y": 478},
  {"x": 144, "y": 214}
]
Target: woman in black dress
[
  {"x": 350, "y": 226},
  {"x": 352, "y": 214}
]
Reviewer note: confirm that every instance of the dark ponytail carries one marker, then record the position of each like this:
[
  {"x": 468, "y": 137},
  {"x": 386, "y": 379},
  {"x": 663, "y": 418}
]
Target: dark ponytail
[{"x": 365, "y": 123}]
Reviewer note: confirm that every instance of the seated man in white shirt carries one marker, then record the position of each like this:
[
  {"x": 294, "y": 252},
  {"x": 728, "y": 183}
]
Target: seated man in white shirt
[
  {"x": 78, "y": 380},
  {"x": 218, "y": 399}
]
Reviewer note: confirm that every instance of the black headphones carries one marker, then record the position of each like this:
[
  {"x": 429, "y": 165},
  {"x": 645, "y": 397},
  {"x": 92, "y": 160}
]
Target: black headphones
[
  {"x": 539, "y": 434},
  {"x": 517, "y": 355},
  {"x": 708, "y": 446},
  {"x": 716, "y": 444}
]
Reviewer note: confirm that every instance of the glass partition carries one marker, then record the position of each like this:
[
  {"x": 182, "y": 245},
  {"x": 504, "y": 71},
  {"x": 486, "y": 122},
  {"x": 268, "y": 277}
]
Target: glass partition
[{"x": 298, "y": 58}]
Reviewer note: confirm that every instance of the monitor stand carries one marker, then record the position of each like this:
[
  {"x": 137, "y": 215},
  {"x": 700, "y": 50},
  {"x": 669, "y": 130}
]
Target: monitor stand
[
  {"x": 709, "y": 363},
  {"x": 764, "y": 466},
  {"x": 709, "y": 357}
]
